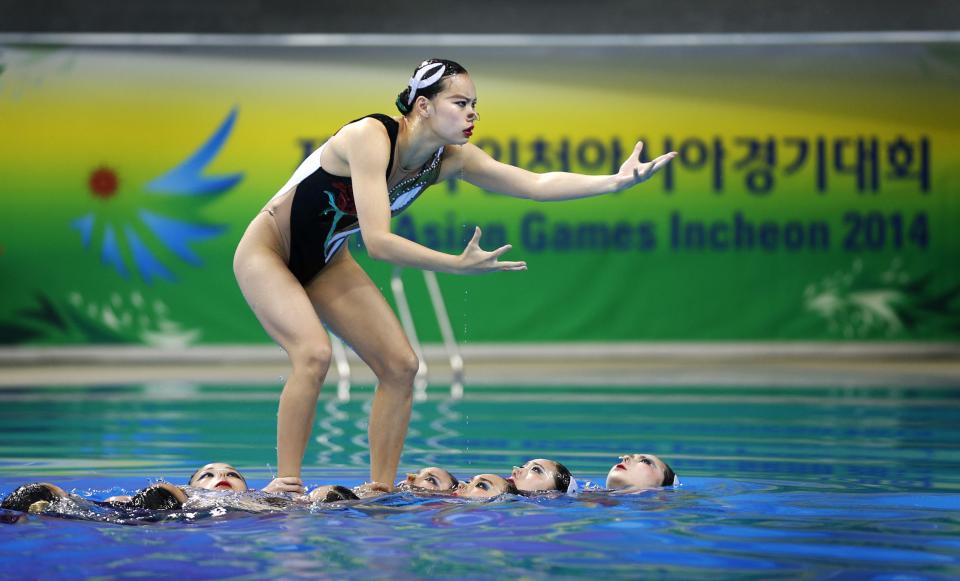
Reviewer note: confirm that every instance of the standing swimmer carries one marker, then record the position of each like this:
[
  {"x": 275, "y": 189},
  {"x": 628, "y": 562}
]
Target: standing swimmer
[{"x": 298, "y": 275}]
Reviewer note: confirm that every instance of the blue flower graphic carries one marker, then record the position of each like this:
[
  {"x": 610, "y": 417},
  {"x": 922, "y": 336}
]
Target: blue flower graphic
[{"x": 131, "y": 240}]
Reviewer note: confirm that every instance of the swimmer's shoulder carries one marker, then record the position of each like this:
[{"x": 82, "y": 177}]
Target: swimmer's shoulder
[
  {"x": 367, "y": 128},
  {"x": 454, "y": 158},
  {"x": 364, "y": 136}
]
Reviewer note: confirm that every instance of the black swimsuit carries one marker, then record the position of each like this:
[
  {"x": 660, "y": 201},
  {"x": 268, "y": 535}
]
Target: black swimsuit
[{"x": 323, "y": 212}]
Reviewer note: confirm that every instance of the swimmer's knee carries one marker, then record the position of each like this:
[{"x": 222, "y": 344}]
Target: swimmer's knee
[
  {"x": 313, "y": 361},
  {"x": 399, "y": 369}
]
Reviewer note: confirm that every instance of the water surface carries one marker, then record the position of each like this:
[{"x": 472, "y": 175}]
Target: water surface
[{"x": 794, "y": 483}]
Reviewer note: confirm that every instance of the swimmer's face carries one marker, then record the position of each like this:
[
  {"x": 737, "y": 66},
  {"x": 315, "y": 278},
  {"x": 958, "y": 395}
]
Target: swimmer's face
[
  {"x": 453, "y": 111},
  {"x": 483, "y": 486},
  {"x": 219, "y": 476},
  {"x": 432, "y": 478},
  {"x": 637, "y": 471},
  {"x": 537, "y": 475}
]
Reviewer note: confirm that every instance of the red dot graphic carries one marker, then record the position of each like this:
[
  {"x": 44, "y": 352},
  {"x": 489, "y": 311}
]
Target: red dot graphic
[{"x": 103, "y": 182}]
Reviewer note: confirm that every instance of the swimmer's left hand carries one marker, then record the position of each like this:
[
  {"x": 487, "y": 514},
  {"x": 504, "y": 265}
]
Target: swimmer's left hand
[
  {"x": 633, "y": 171},
  {"x": 285, "y": 484}
]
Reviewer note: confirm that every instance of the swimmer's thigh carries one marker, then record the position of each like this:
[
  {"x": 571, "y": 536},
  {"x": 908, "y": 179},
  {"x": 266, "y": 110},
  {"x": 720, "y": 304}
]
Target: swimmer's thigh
[
  {"x": 276, "y": 296},
  {"x": 352, "y": 306}
]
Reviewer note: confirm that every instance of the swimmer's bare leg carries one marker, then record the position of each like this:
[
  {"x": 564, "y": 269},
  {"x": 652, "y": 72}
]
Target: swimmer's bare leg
[
  {"x": 353, "y": 307},
  {"x": 286, "y": 313}
]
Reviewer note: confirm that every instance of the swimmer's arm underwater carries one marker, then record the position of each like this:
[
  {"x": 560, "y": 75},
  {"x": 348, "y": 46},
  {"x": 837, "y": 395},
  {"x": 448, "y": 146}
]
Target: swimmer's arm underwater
[{"x": 478, "y": 168}]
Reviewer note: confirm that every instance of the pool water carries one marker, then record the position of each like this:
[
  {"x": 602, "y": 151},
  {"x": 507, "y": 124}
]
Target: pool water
[{"x": 805, "y": 482}]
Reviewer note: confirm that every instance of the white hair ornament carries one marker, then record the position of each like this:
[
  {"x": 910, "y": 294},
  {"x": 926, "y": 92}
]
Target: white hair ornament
[{"x": 420, "y": 79}]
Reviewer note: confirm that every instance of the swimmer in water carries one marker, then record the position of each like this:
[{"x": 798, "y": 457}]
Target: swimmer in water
[
  {"x": 213, "y": 476},
  {"x": 36, "y": 497},
  {"x": 640, "y": 472},
  {"x": 542, "y": 475},
  {"x": 430, "y": 479},
  {"x": 220, "y": 476},
  {"x": 331, "y": 493},
  {"x": 486, "y": 486},
  {"x": 216, "y": 476}
]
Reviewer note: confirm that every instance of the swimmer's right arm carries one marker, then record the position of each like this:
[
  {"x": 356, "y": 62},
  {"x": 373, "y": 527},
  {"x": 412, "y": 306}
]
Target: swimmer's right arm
[{"x": 367, "y": 150}]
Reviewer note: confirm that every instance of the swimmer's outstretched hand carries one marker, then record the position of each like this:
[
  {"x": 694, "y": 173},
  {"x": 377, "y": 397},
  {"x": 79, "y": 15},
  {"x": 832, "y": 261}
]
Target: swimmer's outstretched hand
[
  {"x": 285, "y": 484},
  {"x": 475, "y": 260},
  {"x": 633, "y": 171}
]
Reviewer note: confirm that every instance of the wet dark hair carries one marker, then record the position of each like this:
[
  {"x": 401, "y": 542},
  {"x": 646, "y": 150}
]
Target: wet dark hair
[
  {"x": 561, "y": 478},
  {"x": 450, "y": 68},
  {"x": 338, "y": 493},
  {"x": 669, "y": 476},
  {"x": 156, "y": 498},
  {"x": 453, "y": 479},
  {"x": 21, "y": 498},
  {"x": 512, "y": 489}
]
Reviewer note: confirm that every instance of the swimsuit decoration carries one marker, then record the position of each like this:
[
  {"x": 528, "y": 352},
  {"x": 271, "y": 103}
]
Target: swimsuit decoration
[{"x": 323, "y": 212}]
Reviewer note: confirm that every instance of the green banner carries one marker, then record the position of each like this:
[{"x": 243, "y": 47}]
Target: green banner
[{"x": 815, "y": 195}]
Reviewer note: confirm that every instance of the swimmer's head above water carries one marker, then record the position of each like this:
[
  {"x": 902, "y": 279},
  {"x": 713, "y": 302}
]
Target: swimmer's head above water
[
  {"x": 331, "y": 493},
  {"x": 430, "y": 78},
  {"x": 33, "y": 497},
  {"x": 486, "y": 486},
  {"x": 542, "y": 475},
  {"x": 441, "y": 100},
  {"x": 218, "y": 476},
  {"x": 640, "y": 471},
  {"x": 431, "y": 479}
]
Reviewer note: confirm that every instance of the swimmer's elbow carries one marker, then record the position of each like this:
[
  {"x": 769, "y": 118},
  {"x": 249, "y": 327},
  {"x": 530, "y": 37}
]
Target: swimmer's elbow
[
  {"x": 378, "y": 246},
  {"x": 535, "y": 188}
]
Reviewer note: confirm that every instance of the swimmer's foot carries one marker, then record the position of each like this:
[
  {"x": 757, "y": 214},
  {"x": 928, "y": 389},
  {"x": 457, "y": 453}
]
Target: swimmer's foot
[
  {"x": 33, "y": 497},
  {"x": 160, "y": 496}
]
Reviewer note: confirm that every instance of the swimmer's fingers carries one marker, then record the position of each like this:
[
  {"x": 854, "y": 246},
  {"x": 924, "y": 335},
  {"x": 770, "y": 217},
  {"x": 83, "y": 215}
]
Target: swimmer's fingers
[
  {"x": 475, "y": 260},
  {"x": 285, "y": 484},
  {"x": 496, "y": 264},
  {"x": 501, "y": 251},
  {"x": 475, "y": 241},
  {"x": 633, "y": 171},
  {"x": 507, "y": 265},
  {"x": 662, "y": 161},
  {"x": 644, "y": 171}
]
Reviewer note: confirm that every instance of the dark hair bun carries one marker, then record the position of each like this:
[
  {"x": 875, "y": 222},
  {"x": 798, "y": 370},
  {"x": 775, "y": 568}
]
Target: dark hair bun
[{"x": 402, "y": 99}]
